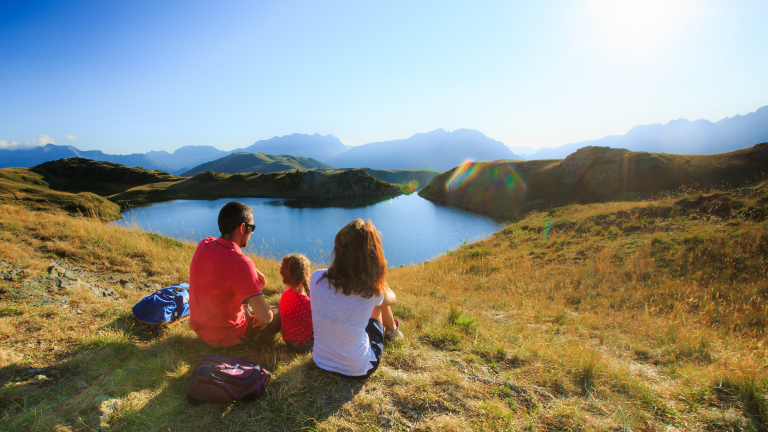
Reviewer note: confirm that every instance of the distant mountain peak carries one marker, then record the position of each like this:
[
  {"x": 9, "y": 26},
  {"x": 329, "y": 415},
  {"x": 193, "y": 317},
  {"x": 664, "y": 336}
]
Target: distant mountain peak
[
  {"x": 315, "y": 146},
  {"x": 437, "y": 150},
  {"x": 680, "y": 136}
]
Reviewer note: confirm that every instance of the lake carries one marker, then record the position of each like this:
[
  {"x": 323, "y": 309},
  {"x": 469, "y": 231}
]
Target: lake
[{"x": 413, "y": 229}]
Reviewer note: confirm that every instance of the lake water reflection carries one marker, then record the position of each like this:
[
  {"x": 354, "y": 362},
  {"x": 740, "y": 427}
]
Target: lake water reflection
[{"x": 413, "y": 229}]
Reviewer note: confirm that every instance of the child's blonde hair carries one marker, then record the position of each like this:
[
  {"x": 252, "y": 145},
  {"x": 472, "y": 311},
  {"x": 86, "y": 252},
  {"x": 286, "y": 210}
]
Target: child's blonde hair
[{"x": 295, "y": 271}]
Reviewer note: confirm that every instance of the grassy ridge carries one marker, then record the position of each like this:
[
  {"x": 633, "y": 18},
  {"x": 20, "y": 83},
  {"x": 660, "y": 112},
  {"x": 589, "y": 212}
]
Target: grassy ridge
[
  {"x": 21, "y": 186},
  {"x": 81, "y": 186},
  {"x": 77, "y": 175},
  {"x": 591, "y": 174},
  {"x": 256, "y": 162},
  {"x": 644, "y": 315},
  {"x": 305, "y": 184}
]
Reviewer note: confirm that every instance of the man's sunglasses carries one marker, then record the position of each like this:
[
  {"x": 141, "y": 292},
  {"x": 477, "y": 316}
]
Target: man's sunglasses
[{"x": 252, "y": 227}]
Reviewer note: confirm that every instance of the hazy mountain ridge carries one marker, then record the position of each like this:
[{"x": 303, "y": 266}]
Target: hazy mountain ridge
[
  {"x": 183, "y": 159},
  {"x": 244, "y": 162},
  {"x": 438, "y": 150},
  {"x": 35, "y": 156},
  {"x": 187, "y": 156},
  {"x": 315, "y": 146},
  {"x": 682, "y": 136}
]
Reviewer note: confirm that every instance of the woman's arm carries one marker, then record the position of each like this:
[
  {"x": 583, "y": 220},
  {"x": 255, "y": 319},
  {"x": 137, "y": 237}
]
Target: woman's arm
[
  {"x": 383, "y": 313},
  {"x": 389, "y": 298}
]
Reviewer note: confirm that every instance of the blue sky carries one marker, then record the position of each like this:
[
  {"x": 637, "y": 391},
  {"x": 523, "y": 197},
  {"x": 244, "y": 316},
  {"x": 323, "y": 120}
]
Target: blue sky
[{"x": 135, "y": 76}]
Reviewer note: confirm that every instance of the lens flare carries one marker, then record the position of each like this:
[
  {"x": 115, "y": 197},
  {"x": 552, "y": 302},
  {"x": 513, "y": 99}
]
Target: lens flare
[
  {"x": 469, "y": 174},
  {"x": 546, "y": 228},
  {"x": 490, "y": 185},
  {"x": 462, "y": 172}
]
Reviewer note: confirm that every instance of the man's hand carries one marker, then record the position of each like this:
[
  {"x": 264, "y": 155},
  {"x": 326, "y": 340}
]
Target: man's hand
[{"x": 261, "y": 309}]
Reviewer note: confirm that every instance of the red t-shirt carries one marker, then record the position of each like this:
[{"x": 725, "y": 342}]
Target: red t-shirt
[
  {"x": 220, "y": 279},
  {"x": 295, "y": 317}
]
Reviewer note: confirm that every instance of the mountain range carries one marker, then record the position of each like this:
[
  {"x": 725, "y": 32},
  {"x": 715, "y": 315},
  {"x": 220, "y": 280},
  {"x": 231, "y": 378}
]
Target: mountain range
[
  {"x": 187, "y": 157},
  {"x": 438, "y": 150},
  {"x": 316, "y": 146},
  {"x": 49, "y": 152},
  {"x": 699, "y": 137}
]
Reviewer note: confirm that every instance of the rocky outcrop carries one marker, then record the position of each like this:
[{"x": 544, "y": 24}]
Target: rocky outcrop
[
  {"x": 61, "y": 279},
  {"x": 58, "y": 283}
]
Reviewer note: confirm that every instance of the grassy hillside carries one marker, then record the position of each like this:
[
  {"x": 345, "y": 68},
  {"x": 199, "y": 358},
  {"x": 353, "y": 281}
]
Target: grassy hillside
[
  {"x": 76, "y": 185},
  {"x": 102, "y": 178},
  {"x": 24, "y": 187},
  {"x": 644, "y": 316},
  {"x": 256, "y": 162},
  {"x": 592, "y": 174}
]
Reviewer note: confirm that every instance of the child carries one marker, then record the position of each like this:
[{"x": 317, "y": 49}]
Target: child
[{"x": 294, "y": 303}]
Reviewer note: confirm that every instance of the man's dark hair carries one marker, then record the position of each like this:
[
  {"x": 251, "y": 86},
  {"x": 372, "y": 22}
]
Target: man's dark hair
[{"x": 232, "y": 215}]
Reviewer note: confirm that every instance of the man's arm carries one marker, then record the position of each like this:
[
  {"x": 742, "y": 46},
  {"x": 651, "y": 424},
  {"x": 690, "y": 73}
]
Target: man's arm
[{"x": 261, "y": 309}]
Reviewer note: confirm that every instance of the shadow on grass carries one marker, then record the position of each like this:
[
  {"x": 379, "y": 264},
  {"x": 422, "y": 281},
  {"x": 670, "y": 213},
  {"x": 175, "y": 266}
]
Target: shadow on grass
[{"x": 142, "y": 379}]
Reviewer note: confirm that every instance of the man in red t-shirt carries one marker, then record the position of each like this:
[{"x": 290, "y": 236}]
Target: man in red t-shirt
[{"x": 224, "y": 283}]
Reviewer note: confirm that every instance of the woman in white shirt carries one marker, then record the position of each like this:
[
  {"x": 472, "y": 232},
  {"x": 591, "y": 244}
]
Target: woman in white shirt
[{"x": 351, "y": 304}]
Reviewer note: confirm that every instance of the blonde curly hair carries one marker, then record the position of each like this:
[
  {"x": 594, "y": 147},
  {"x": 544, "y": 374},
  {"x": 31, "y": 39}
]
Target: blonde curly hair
[{"x": 295, "y": 271}]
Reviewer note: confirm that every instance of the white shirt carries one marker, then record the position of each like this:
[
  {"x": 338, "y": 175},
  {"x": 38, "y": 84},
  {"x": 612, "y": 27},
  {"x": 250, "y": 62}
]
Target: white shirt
[{"x": 339, "y": 321}]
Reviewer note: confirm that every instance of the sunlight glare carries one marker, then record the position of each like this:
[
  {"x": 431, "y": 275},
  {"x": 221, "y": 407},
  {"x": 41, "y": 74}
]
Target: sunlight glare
[{"x": 638, "y": 26}]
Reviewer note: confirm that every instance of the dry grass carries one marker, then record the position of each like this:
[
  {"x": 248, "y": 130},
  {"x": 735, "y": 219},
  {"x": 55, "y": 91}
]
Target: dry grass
[{"x": 642, "y": 316}]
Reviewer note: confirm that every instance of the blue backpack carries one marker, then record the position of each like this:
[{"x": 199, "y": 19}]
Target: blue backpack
[{"x": 167, "y": 306}]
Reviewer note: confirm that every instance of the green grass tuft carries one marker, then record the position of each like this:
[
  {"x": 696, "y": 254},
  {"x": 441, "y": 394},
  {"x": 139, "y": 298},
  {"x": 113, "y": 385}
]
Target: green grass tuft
[{"x": 461, "y": 320}]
